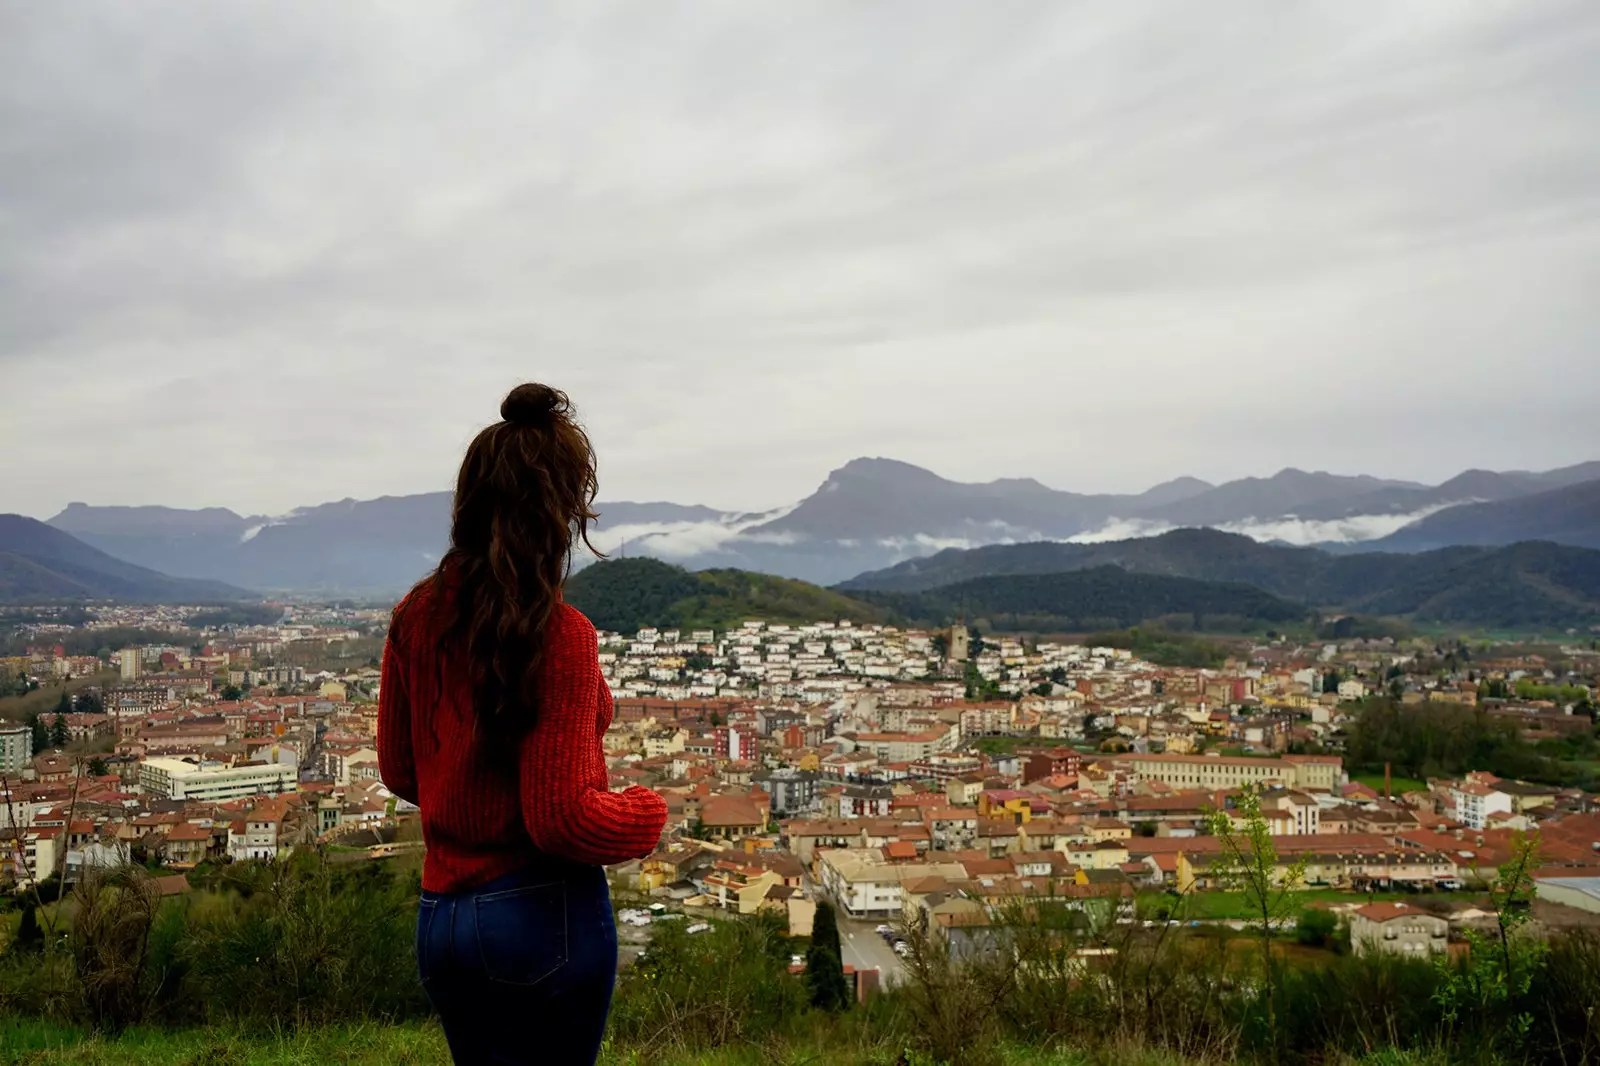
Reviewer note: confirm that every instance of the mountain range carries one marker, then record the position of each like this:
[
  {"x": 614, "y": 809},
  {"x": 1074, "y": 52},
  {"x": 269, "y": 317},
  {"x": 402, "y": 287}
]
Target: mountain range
[
  {"x": 1531, "y": 584},
  {"x": 40, "y": 564},
  {"x": 1190, "y": 579},
  {"x": 865, "y": 516}
]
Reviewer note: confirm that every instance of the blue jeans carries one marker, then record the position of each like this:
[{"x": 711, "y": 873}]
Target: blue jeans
[{"x": 521, "y": 969}]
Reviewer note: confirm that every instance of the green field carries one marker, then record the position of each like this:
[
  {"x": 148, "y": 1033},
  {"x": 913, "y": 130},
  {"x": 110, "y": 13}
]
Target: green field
[
  {"x": 375, "y": 1044},
  {"x": 1399, "y": 786},
  {"x": 1231, "y": 905}
]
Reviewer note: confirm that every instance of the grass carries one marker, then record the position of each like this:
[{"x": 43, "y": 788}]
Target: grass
[
  {"x": 1002, "y": 745},
  {"x": 1398, "y": 785},
  {"x": 1231, "y": 905},
  {"x": 376, "y": 1044}
]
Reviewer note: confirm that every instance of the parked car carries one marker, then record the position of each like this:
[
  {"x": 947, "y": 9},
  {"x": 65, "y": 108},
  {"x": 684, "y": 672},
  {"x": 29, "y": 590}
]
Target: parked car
[
  {"x": 698, "y": 927},
  {"x": 901, "y": 948},
  {"x": 884, "y": 930}
]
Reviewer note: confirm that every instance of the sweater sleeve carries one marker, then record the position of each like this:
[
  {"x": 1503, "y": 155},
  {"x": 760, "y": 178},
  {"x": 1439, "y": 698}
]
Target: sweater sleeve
[
  {"x": 397, "y": 763},
  {"x": 567, "y": 804}
]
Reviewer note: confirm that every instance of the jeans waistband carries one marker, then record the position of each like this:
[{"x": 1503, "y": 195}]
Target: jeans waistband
[{"x": 540, "y": 872}]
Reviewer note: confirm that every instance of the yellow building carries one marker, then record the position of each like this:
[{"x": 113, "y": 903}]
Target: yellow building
[{"x": 1006, "y": 803}]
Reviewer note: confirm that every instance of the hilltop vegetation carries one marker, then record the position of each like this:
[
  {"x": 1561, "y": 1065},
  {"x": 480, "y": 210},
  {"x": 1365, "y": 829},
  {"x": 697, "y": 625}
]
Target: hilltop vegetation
[
  {"x": 629, "y": 594},
  {"x": 1527, "y": 585},
  {"x": 1106, "y": 597},
  {"x": 1163, "y": 647},
  {"x": 298, "y": 962},
  {"x": 1445, "y": 740}
]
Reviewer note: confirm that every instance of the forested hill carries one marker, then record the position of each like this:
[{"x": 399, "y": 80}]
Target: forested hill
[
  {"x": 40, "y": 564},
  {"x": 626, "y": 595},
  {"x": 629, "y": 594},
  {"x": 1106, "y": 597},
  {"x": 1533, "y": 584}
]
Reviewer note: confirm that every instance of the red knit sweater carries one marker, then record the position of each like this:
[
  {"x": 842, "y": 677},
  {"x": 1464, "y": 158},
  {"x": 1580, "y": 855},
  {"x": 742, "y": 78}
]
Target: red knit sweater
[{"x": 483, "y": 814}]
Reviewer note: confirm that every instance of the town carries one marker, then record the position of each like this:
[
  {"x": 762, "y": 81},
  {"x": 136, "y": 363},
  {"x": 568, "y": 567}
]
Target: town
[{"x": 929, "y": 778}]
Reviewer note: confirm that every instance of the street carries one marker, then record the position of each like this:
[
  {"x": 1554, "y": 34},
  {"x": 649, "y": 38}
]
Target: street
[
  {"x": 866, "y": 950},
  {"x": 859, "y": 946}
]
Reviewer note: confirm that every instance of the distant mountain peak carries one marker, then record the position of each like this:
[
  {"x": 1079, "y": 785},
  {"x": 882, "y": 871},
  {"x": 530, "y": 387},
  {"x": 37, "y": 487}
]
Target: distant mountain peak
[
  {"x": 879, "y": 467},
  {"x": 39, "y": 562}
]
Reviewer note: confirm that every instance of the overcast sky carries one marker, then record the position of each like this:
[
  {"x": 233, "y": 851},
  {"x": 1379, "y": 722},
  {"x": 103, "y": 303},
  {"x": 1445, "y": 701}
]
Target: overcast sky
[{"x": 268, "y": 255}]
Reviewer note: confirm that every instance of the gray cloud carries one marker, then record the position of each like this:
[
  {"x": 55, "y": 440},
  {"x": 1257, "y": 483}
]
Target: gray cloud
[{"x": 269, "y": 256}]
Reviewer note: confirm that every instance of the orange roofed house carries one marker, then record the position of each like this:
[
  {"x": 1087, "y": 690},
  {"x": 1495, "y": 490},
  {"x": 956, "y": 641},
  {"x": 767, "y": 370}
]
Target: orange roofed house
[{"x": 1396, "y": 929}]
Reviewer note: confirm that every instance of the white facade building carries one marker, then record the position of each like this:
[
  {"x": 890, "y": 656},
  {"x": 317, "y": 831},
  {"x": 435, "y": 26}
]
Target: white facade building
[{"x": 178, "y": 779}]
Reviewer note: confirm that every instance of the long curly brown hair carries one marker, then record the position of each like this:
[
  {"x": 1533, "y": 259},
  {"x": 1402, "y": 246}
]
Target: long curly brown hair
[{"x": 523, "y": 500}]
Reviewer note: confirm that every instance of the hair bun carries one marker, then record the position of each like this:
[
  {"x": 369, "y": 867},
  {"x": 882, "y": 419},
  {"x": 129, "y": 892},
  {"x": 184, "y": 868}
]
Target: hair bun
[{"x": 533, "y": 404}]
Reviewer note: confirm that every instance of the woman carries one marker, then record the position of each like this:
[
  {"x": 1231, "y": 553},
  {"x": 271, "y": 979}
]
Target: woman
[{"x": 490, "y": 716}]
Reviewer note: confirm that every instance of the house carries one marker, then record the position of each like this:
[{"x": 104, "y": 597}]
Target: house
[
  {"x": 793, "y": 791},
  {"x": 952, "y": 828},
  {"x": 963, "y": 791},
  {"x": 1291, "y": 813},
  {"x": 865, "y": 883},
  {"x": 1474, "y": 801},
  {"x": 733, "y": 817},
  {"x": 739, "y": 886},
  {"x": 187, "y": 844},
  {"x": 258, "y": 835},
  {"x": 1014, "y": 805},
  {"x": 1398, "y": 929},
  {"x": 865, "y": 801}
]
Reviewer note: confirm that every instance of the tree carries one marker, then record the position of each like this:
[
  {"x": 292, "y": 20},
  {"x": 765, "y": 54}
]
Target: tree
[
  {"x": 63, "y": 705},
  {"x": 41, "y": 732},
  {"x": 232, "y": 692},
  {"x": 824, "y": 962},
  {"x": 1248, "y": 863},
  {"x": 59, "y": 733},
  {"x": 1316, "y": 927},
  {"x": 1330, "y": 681},
  {"x": 1043, "y": 688},
  {"x": 90, "y": 703},
  {"x": 97, "y": 767},
  {"x": 1500, "y": 967},
  {"x": 29, "y": 936}
]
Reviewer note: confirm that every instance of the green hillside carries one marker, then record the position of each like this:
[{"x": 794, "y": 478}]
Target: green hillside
[
  {"x": 629, "y": 594},
  {"x": 1529, "y": 585},
  {"x": 1105, "y": 597}
]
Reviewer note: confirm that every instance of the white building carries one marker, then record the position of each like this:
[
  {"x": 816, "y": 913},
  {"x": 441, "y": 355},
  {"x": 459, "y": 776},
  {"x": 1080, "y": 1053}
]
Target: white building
[
  {"x": 864, "y": 884},
  {"x": 16, "y": 748},
  {"x": 180, "y": 779},
  {"x": 128, "y": 658},
  {"x": 1475, "y": 801}
]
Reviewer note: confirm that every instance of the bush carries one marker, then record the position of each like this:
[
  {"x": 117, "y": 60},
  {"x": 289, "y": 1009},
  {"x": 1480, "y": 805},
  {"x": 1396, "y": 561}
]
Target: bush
[
  {"x": 728, "y": 985},
  {"x": 1316, "y": 927},
  {"x": 115, "y": 910},
  {"x": 302, "y": 943}
]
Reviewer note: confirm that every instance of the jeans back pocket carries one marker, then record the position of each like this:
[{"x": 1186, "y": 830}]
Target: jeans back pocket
[
  {"x": 426, "y": 909},
  {"x": 522, "y": 932}
]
